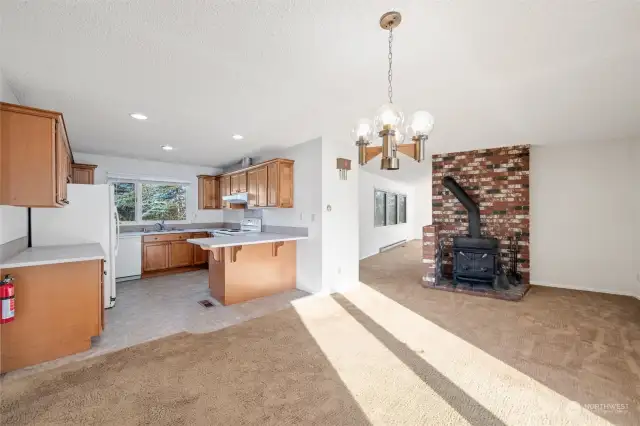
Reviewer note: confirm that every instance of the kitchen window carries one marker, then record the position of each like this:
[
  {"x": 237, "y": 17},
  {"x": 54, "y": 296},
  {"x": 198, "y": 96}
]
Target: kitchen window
[
  {"x": 389, "y": 208},
  {"x": 146, "y": 201}
]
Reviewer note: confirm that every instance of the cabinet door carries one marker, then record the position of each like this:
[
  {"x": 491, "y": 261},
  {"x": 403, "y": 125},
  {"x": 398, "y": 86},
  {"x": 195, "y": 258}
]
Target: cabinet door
[
  {"x": 62, "y": 161},
  {"x": 181, "y": 254},
  {"x": 225, "y": 189},
  {"x": 155, "y": 256},
  {"x": 252, "y": 188},
  {"x": 208, "y": 195},
  {"x": 272, "y": 184},
  {"x": 234, "y": 184},
  {"x": 101, "y": 296},
  {"x": 261, "y": 178},
  {"x": 285, "y": 187},
  {"x": 242, "y": 182},
  {"x": 200, "y": 256},
  {"x": 82, "y": 176}
]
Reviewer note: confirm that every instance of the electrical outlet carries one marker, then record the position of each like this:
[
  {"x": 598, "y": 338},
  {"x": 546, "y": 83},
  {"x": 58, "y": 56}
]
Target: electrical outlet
[
  {"x": 339, "y": 270},
  {"x": 301, "y": 217},
  {"x": 313, "y": 218},
  {"x": 638, "y": 277}
]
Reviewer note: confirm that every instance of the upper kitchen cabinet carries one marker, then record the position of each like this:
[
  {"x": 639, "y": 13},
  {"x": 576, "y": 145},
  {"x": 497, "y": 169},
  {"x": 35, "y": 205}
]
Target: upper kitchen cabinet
[
  {"x": 268, "y": 184},
  {"x": 238, "y": 182},
  {"x": 208, "y": 192},
  {"x": 257, "y": 182},
  {"x": 82, "y": 173},
  {"x": 225, "y": 189},
  {"x": 280, "y": 183},
  {"x": 35, "y": 157}
]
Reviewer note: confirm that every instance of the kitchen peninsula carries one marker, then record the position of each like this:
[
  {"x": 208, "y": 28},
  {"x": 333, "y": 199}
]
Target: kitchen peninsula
[{"x": 249, "y": 266}]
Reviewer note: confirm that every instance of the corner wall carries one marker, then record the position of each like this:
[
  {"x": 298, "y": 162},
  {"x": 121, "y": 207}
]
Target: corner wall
[
  {"x": 422, "y": 209},
  {"x": 13, "y": 220},
  {"x": 373, "y": 238},
  {"x": 584, "y": 228}
]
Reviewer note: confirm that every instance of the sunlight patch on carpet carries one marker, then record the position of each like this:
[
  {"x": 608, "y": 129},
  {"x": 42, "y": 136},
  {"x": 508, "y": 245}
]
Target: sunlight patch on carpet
[
  {"x": 387, "y": 391},
  {"x": 512, "y": 396}
]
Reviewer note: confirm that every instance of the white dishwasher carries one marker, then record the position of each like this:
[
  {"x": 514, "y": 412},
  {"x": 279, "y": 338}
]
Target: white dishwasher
[{"x": 129, "y": 257}]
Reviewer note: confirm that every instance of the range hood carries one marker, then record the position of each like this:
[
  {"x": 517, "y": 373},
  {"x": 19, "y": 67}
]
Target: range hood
[{"x": 238, "y": 198}]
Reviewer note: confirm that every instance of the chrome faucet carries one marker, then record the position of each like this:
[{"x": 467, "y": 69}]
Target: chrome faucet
[{"x": 160, "y": 225}]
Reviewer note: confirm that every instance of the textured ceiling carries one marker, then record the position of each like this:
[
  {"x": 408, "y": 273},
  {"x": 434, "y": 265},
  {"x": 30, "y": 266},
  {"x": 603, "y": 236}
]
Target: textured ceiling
[{"x": 280, "y": 72}]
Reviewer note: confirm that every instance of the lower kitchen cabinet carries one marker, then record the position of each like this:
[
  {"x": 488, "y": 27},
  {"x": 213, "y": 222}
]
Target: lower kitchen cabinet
[
  {"x": 164, "y": 252},
  {"x": 180, "y": 254},
  {"x": 59, "y": 308},
  {"x": 155, "y": 256},
  {"x": 200, "y": 256}
]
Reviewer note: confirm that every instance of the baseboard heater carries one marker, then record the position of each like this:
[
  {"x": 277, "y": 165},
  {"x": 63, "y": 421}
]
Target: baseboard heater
[{"x": 393, "y": 245}]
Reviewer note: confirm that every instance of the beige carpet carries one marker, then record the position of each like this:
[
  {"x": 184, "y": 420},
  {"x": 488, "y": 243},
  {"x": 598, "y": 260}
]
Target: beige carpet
[
  {"x": 389, "y": 353},
  {"x": 583, "y": 345}
]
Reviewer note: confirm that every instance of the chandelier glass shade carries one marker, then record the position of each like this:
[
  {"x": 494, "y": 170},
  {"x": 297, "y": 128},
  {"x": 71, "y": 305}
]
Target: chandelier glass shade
[{"x": 389, "y": 121}]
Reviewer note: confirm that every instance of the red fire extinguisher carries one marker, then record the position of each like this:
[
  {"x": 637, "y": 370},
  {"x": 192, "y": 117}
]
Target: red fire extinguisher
[{"x": 7, "y": 300}]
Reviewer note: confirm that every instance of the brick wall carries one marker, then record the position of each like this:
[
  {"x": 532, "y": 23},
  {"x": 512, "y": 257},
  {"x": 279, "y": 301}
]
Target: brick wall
[
  {"x": 498, "y": 180},
  {"x": 429, "y": 251}
]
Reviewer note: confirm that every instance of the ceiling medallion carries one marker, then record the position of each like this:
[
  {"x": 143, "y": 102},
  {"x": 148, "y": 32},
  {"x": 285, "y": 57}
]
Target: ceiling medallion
[{"x": 389, "y": 120}]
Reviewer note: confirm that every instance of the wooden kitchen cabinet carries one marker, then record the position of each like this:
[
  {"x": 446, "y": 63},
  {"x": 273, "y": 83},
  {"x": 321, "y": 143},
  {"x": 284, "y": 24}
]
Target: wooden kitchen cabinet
[
  {"x": 262, "y": 175},
  {"x": 225, "y": 189},
  {"x": 238, "y": 182},
  {"x": 180, "y": 254},
  {"x": 200, "y": 256},
  {"x": 59, "y": 308},
  {"x": 208, "y": 192},
  {"x": 280, "y": 184},
  {"x": 252, "y": 188},
  {"x": 268, "y": 184},
  {"x": 82, "y": 173},
  {"x": 155, "y": 256},
  {"x": 163, "y": 252},
  {"x": 35, "y": 157}
]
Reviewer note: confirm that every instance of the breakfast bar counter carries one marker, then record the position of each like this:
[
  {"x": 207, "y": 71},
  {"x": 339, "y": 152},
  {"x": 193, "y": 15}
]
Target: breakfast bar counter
[{"x": 246, "y": 267}]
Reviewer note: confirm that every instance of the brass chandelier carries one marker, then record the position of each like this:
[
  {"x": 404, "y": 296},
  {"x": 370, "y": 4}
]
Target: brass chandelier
[{"x": 389, "y": 121}]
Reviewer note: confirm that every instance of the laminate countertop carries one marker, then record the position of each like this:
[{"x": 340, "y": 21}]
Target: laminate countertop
[
  {"x": 173, "y": 231},
  {"x": 243, "y": 240},
  {"x": 48, "y": 255}
]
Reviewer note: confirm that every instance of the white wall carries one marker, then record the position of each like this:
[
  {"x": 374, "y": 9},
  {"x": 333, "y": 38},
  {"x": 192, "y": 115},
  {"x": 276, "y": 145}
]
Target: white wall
[
  {"x": 340, "y": 228},
  {"x": 582, "y": 217},
  {"x": 306, "y": 211},
  {"x": 635, "y": 167},
  {"x": 373, "y": 238},
  {"x": 422, "y": 205},
  {"x": 143, "y": 168},
  {"x": 13, "y": 220}
]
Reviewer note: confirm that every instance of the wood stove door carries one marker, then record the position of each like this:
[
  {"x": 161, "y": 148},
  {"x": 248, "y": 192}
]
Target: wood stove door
[{"x": 484, "y": 265}]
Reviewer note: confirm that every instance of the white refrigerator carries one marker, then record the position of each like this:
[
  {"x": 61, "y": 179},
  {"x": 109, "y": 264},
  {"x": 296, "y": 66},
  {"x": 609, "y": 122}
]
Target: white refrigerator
[{"x": 90, "y": 217}]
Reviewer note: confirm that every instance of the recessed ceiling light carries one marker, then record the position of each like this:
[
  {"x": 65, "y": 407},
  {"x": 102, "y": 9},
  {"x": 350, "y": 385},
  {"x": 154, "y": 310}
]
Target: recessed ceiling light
[
  {"x": 237, "y": 137},
  {"x": 167, "y": 147},
  {"x": 138, "y": 116}
]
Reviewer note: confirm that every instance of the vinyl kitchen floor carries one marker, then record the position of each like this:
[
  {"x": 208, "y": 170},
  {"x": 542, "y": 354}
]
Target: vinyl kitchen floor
[{"x": 152, "y": 308}]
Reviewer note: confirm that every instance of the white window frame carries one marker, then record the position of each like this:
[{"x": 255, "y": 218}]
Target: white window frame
[
  {"x": 138, "y": 188},
  {"x": 397, "y": 194}
]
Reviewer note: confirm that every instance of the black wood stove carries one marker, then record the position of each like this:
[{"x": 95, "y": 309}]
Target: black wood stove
[{"x": 475, "y": 258}]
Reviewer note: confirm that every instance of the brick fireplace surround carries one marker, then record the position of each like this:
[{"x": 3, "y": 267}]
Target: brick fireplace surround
[{"x": 498, "y": 180}]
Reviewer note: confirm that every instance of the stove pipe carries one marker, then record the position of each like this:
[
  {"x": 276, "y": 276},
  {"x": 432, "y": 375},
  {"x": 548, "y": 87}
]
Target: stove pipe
[{"x": 472, "y": 208}]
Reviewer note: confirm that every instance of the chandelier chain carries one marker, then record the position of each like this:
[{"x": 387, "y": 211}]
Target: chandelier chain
[{"x": 390, "y": 75}]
